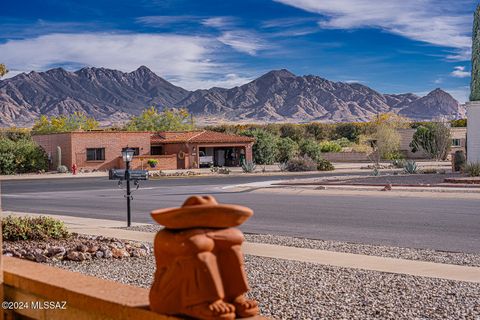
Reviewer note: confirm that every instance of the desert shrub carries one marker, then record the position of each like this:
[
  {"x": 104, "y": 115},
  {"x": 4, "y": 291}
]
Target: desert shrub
[
  {"x": 21, "y": 156},
  {"x": 319, "y": 131},
  {"x": 265, "y": 146},
  {"x": 248, "y": 166},
  {"x": 286, "y": 149},
  {"x": 459, "y": 160},
  {"x": 302, "y": 163},
  {"x": 473, "y": 169},
  {"x": 330, "y": 146},
  {"x": 459, "y": 123},
  {"x": 410, "y": 167},
  {"x": 325, "y": 165},
  {"x": 343, "y": 142},
  {"x": 310, "y": 148},
  {"x": 32, "y": 228},
  {"x": 394, "y": 155},
  {"x": 347, "y": 130},
  {"x": 399, "y": 163},
  {"x": 293, "y": 131}
]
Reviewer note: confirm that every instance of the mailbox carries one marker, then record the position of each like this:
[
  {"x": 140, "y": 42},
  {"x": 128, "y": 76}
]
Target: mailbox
[
  {"x": 119, "y": 174},
  {"x": 138, "y": 175}
]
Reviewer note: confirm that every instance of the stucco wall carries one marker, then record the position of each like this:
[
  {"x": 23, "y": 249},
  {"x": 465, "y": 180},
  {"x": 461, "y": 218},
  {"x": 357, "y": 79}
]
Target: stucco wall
[
  {"x": 473, "y": 134},
  {"x": 49, "y": 143}
]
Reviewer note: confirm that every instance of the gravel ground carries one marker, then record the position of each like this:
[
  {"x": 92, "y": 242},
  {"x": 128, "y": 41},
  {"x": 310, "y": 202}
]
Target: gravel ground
[
  {"x": 297, "y": 290},
  {"x": 459, "y": 258}
]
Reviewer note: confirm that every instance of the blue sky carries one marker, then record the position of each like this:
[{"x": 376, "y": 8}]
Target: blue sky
[{"x": 392, "y": 46}]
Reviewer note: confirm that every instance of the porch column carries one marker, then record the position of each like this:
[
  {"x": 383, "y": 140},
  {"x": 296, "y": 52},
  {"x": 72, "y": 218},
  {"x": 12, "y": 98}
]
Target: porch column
[{"x": 249, "y": 152}]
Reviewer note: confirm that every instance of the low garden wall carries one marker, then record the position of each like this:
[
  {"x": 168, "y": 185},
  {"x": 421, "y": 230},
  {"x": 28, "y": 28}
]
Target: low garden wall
[
  {"x": 345, "y": 156},
  {"x": 52, "y": 293}
]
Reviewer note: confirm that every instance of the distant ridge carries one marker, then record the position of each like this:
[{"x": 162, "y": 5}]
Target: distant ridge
[{"x": 277, "y": 96}]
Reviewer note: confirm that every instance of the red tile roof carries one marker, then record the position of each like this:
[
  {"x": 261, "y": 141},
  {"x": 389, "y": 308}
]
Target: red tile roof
[{"x": 203, "y": 136}]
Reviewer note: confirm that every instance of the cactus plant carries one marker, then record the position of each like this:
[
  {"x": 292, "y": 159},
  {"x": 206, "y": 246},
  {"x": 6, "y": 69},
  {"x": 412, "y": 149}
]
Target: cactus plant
[
  {"x": 411, "y": 167},
  {"x": 59, "y": 157},
  {"x": 475, "y": 82}
]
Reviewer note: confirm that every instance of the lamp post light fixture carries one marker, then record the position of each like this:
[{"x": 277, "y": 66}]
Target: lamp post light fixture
[{"x": 127, "y": 155}]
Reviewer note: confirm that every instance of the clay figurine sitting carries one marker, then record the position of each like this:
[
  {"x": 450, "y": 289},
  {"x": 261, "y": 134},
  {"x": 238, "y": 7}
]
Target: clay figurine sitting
[{"x": 200, "y": 269}]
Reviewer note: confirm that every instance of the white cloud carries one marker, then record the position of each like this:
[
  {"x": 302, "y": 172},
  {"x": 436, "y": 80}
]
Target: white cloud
[
  {"x": 161, "y": 21},
  {"x": 219, "y": 22},
  {"x": 189, "y": 61},
  {"x": 228, "y": 81},
  {"x": 459, "y": 72},
  {"x": 243, "y": 41},
  {"x": 429, "y": 21}
]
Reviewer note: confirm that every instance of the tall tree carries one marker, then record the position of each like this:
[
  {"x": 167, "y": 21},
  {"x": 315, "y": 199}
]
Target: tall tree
[
  {"x": 475, "y": 82},
  {"x": 386, "y": 138},
  {"x": 167, "y": 120},
  {"x": 74, "y": 122},
  {"x": 3, "y": 70}
]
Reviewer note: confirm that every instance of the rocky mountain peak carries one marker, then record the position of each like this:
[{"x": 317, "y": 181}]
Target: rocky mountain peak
[{"x": 278, "y": 95}]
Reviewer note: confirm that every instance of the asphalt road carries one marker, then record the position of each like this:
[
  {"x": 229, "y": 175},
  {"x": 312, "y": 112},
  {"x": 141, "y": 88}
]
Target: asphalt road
[{"x": 419, "y": 222}]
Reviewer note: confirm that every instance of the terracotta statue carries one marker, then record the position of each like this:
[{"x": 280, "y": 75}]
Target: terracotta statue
[{"x": 200, "y": 270}]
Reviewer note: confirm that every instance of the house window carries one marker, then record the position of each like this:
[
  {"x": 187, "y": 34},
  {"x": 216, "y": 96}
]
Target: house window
[
  {"x": 156, "y": 150},
  {"x": 136, "y": 151},
  {"x": 456, "y": 143},
  {"x": 95, "y": 154}
]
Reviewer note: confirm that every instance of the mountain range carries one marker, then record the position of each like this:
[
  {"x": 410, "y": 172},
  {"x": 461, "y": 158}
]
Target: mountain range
[{"x": 278, "y": 96}]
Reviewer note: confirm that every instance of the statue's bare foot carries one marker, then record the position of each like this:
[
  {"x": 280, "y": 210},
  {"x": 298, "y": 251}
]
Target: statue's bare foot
[
  {"x": 244, "y": 307},
  {"x": 215, "y": 310}
]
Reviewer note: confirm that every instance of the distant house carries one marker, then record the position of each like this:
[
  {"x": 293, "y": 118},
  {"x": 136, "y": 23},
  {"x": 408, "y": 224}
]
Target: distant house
[
  {"x": 101, "y": 150},
  {"x": 458, "y": 136}
]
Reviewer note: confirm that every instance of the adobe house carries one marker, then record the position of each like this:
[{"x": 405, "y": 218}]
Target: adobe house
[{"x": 101, "y": 150}]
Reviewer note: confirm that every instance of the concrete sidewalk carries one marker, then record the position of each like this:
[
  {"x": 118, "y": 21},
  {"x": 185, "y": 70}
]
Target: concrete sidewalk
[{"x": 110, "y": 228}]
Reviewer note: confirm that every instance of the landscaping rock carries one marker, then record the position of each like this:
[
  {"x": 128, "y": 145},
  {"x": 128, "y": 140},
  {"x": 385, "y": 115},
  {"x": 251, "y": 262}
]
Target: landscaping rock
[
  {"x": 41, "y": 258},
  {"x": 120, "y": 253},
  {"x": 75, "y": 248}
]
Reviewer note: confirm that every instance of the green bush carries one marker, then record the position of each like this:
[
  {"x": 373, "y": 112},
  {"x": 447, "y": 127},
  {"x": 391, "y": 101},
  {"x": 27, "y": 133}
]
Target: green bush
[
  {"x": 286, "y": 149},
  {"x": 303, "y": 163},
  {"x": 21, "y": 156},
  {"x": 152, "y": 162},
  {"x": 347, "y": 130},
  {"x": 311, "y": 148},
  {"x": 330, "y": 146},
  {"x": 32, "y": 228},
  {"x": 343, "y": 142},
  {"x": 394, "y": 155},
  {"x": 325, "y": 165},
  {"x": 265, "y": 146},
  {"x": 473, "y": 169}
]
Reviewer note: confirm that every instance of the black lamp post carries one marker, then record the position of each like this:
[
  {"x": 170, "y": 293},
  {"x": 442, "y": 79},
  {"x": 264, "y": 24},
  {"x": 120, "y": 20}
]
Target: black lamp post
[{"x": 127, "y": 155}]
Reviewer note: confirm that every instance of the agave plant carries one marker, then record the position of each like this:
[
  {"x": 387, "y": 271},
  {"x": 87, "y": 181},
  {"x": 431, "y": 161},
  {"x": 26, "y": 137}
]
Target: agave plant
[
  {"x": 248, "y": 166},
  {"x": 410, "y": 167}
]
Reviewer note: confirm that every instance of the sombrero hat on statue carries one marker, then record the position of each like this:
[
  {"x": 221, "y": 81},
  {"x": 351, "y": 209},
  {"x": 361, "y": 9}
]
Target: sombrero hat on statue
[{"x": 204, "y": 212}]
